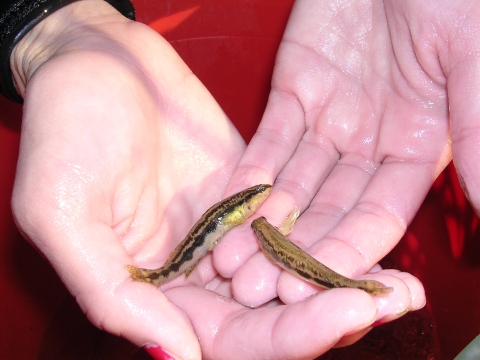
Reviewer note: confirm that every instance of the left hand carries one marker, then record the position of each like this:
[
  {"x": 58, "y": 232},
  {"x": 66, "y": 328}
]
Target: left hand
[{"x": 355, "y": 132}]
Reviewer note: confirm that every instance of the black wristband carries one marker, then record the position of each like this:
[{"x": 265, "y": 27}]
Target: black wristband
[{"x": 18, "y": 18}]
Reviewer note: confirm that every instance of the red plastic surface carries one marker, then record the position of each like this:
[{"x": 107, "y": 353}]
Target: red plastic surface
[{"x": 231, "y": 46}]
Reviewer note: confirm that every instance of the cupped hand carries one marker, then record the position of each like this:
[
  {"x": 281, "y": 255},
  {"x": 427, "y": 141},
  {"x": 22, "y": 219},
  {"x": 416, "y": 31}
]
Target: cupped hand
[
  {"x": 368, "y": 101},
  {"x": 122, "y": 149}
]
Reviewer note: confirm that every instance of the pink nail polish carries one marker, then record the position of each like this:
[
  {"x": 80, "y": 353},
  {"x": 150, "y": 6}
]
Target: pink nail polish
[{"x": 157, "y": 352}]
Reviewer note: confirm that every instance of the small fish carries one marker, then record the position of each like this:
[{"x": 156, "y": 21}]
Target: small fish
[
  {"x": 282, "y": 252},
  {"x": 204, "y": 235}
]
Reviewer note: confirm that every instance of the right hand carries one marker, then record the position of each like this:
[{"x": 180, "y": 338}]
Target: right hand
[{"x": 122, "y": 150}]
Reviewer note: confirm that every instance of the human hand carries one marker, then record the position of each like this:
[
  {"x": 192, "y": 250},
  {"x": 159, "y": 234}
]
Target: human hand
[
  {"x": 122, "y": 149},
  {"x": 367, "y": 101}
]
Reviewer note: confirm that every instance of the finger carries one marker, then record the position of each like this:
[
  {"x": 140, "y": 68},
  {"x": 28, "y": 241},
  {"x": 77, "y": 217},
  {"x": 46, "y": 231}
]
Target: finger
[
  {"x": 291, "y": 289},
  {"x": 256, "y": 284},
  {"x": 336, "y": 197},
  {"x": 269, "y": 150},
  {"x": 408, "y": 293},
  {"x": 272, "y": 145},
  {"x": 304, "y": 330},
  {"x": 382, "y": 213}
]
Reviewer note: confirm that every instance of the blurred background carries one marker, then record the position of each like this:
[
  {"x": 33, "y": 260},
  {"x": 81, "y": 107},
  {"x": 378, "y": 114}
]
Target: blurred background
[{"x": 231, "y": 46}]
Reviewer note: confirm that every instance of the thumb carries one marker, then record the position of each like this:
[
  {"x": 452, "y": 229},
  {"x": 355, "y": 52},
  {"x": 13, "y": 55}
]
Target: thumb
[
  {"x": 91, "y": 261},
  {"x": 141, "y": 313},
  {"x": 113, "y": 302}
]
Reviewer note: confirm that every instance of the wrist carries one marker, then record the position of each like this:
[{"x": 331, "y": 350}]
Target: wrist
[{"x": 32, "y": 31}]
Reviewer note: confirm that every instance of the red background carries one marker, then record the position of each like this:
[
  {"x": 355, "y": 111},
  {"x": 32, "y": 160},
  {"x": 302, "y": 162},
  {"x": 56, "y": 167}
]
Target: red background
[{"x": 231, "y": 46}]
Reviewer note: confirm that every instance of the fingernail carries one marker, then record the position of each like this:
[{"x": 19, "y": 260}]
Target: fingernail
[{"x": 157, "y": 352}]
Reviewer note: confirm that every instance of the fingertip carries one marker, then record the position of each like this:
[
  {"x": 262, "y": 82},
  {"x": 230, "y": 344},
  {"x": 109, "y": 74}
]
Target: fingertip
[
  {"x": 415, "y": 287},
  {"x": 158, "y": 353},
  {"x": 395, "y": 304}
]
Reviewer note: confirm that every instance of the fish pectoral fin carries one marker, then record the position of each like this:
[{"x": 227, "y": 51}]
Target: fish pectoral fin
[
  {"x": 289, "y": 222},
  {"x": 212, "y": 245},
  {"x": 234, "y": 218},
  {"x": 189, "y": 271}
]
